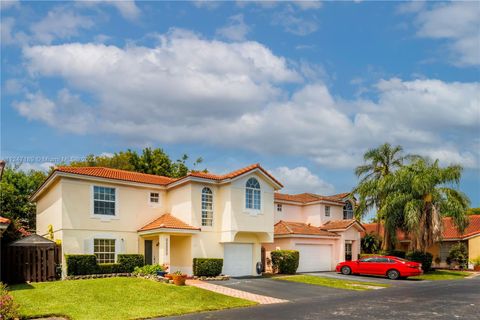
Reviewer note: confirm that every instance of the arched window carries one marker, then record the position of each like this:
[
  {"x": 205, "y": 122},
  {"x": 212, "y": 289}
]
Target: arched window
[
  {"x": 348, "y": 210},
  {"x": 207, "y": 207},
  {"x": 252, "y": 194}
]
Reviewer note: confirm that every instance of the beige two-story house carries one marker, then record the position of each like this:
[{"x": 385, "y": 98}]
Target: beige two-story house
[
  {"x": 321, "y": 228},
  {"x": 105, "y": 212}
]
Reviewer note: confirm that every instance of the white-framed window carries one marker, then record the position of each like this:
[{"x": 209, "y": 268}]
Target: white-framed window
[
  {"x": 279, "y": 207},
  {"x": 327, "y": 211},
  {"x": 348, "y": 211},
  {"x": 348, "y": 251},
  {"x": 252, "y": 194},
  {"x": 104, "y": 201},
  {"x": 104, "y": 250},
  {"x": 207, "y": 207},
  {"x": 154, "y": 197}
]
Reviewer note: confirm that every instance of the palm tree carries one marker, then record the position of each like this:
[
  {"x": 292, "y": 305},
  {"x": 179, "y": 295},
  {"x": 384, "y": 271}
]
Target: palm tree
[
  {"x": 379, "y": 164},
  {"x": 419, "y": 194}
]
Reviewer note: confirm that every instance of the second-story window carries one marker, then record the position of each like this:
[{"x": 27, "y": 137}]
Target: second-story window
[
  {"x": 327, "y": 211},
  {"x": 104, "y": 201},
  {"x": 279, "y": 207},
  {"x": 207, "y": 207},
  {"x": 154, "y": 197},
  {"x": 348, "y": 211},
  {"x": 252, "y": 194}
]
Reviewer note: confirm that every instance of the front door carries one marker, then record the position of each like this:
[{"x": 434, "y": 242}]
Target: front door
[
  {"x": 148, "y": 252},
  {"x": 348, "y": 251}
]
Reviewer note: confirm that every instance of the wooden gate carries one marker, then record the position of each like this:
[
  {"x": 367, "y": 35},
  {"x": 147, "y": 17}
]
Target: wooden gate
[{"x": 34, "y": 263}]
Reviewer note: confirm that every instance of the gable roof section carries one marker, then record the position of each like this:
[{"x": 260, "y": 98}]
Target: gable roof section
[
  {"x": 305, "y": 198},
  {"x": 342, "y": 224},
  {"x": 233, "y": 174},
  {"x": 299, "y": 228},
  {"x": 137, "y": 177},
  {"x": 450, "y": 232},
  {"x": 167, "y": 221}
]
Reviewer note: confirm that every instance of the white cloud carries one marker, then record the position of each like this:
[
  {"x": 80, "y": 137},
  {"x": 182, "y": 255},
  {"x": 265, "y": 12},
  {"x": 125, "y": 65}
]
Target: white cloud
[
  {"x": 301, "y": 179},
  {"x": 309, "y": 4},
  {"x": 60, "y": 23},
  {"x": 295, "y": 23},
  {"x": 7, "y": 4},
  {"x": 235, "y": 30},
  {"x": 128, "y": 9},
  {"x": 208, "y": 4},
  {"x": 67, "y": 112},
  {"x": 457, "y": 22},
  {"x": 37, "y": 166},
  {"x": 231, "y": 94}
]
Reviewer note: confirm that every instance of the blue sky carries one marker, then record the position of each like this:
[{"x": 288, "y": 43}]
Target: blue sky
[{"x": 304, "y": 88}]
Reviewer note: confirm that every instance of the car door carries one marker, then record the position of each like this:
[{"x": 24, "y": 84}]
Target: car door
[
  {"x": 382, "y": 266},
  {"x": 364, "y": 265}
]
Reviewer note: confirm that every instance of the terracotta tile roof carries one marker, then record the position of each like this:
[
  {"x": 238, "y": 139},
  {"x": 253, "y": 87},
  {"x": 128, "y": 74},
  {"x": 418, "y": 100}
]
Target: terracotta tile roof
[
  {"x": 233, "y": 174},
  {"x": 117, "y": 174},
  {"x": 339, "y": 224},
  {"x": 167, "y": 221},
  {"x": 308, "y": 197},
  {"x": 291, "y": 228},
  {"x": 449, "y": 229},
  {"x": 4, "y": 220},
  {"x": 450, "y": 232}
]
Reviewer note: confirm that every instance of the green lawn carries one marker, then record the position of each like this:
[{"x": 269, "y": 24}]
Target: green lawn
[
  {"x": 333, "y": 283},
  {"x": 442, "y": 275},
  {"x": 116, "y": 298}
]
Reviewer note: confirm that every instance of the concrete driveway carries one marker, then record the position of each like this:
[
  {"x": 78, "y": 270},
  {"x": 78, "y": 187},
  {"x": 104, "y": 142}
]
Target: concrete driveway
[{"x": 444, "y": 300}]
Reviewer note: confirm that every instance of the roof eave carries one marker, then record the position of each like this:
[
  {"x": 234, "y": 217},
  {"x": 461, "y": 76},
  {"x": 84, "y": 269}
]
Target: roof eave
[{"x": 167, "y": 230}]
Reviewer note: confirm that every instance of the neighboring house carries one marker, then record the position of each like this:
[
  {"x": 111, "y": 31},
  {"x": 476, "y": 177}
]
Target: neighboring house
[
  {"x": 105, "y": 212},
  {"x": 450, "y": 236},
  {"x": 321, "y": 228}
]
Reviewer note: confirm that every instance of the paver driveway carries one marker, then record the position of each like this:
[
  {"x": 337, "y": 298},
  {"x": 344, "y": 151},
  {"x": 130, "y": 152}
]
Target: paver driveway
[{"x": 455, "y": 299}]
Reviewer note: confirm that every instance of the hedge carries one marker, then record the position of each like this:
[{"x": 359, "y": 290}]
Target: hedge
[
  {"x": 425, "y": 258},
  {"x": 285, "y": 261},
  {"x": 130, "y": 261},
  {"x": 84, "y": 264},
  {"x": 207, "y": 267}
]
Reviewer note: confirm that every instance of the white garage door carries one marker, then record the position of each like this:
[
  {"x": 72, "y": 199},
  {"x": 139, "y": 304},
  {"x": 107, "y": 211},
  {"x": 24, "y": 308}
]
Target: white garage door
[
  {"x": 237, "y": 259},
  {"x": 314, "y": 257}
]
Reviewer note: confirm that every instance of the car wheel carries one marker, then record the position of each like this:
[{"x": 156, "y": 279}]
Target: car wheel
[
  {"x": 346, "y": 270},
  {"x": 393, "y": 274}
]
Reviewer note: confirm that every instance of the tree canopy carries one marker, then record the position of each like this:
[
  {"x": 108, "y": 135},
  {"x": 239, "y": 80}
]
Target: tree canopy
[{"x": 151, "y": 161}]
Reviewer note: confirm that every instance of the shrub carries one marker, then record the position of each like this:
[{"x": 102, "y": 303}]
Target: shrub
[
  {"x": 81, "y": 264},
  {"x": 366, "y": 255},
  {"x": 475, "y": 261},
  {"x": 285, "y": 261},
  {"x": 130, "y": 261},
  {"x": 8, "y": 307},
  {"x": 149, "y": 269},
  {"x": 104, "y": 268},
  {"x": 458, "y": 255},
  {"x": 207, "y": 267},
  {"x": 425, "y": 258},
  {"x": 394, "y": 253}
]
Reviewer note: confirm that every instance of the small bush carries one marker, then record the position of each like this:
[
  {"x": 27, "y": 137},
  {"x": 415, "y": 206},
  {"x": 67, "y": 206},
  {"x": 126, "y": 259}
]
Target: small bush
[
  {"x": 130, "y": 261},
  {"x": 285, "y": 261},
  {"x": 207, "y": 267},
  {"x": 394, "y": 253},
  {"x": 425, "y": 258},
  {"x": 370, "y": 243},
  {"x": 458, "y": 255},
  {"x": 366, "y": 255},
  {"x": 149, "y": 269},
  {"x": 475, "y": 261},
  {"x": 8, "y": 307},
  {"x": 81, "y": 264}
]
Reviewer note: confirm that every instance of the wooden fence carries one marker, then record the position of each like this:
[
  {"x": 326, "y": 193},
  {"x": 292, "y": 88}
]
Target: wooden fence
[{"x": 33, "y": 263}]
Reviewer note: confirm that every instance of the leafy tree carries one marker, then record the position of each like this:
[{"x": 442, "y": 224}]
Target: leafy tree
[
  {"x": 15, "y": 189},
  {"x": 380, "y": 163},
  {"x": 151, "y": 161},
  {"x": 417, "y": 196},
  {"x": 471, "y": 211}
]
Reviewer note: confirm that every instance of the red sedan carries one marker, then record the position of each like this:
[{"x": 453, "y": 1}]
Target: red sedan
[{"x": 392, "y": 267}]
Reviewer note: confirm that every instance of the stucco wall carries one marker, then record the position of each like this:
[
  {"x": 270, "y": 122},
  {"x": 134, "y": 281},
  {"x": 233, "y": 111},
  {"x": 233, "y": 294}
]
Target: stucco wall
[
  {"x": 313, "y": 213},
  {"x": 473, "y": 248},
  {"x": 49, "y": 211}
]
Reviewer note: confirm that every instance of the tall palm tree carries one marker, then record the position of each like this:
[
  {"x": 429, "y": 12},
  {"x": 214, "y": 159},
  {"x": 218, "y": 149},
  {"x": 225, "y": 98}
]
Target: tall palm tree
[
  {"x": 419, "y": 194},
  {"x": 379, "y": 164}
]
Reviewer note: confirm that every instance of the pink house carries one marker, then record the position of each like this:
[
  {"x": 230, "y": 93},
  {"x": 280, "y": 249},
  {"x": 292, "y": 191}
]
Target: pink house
[{"x": 321, "y": 228}]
